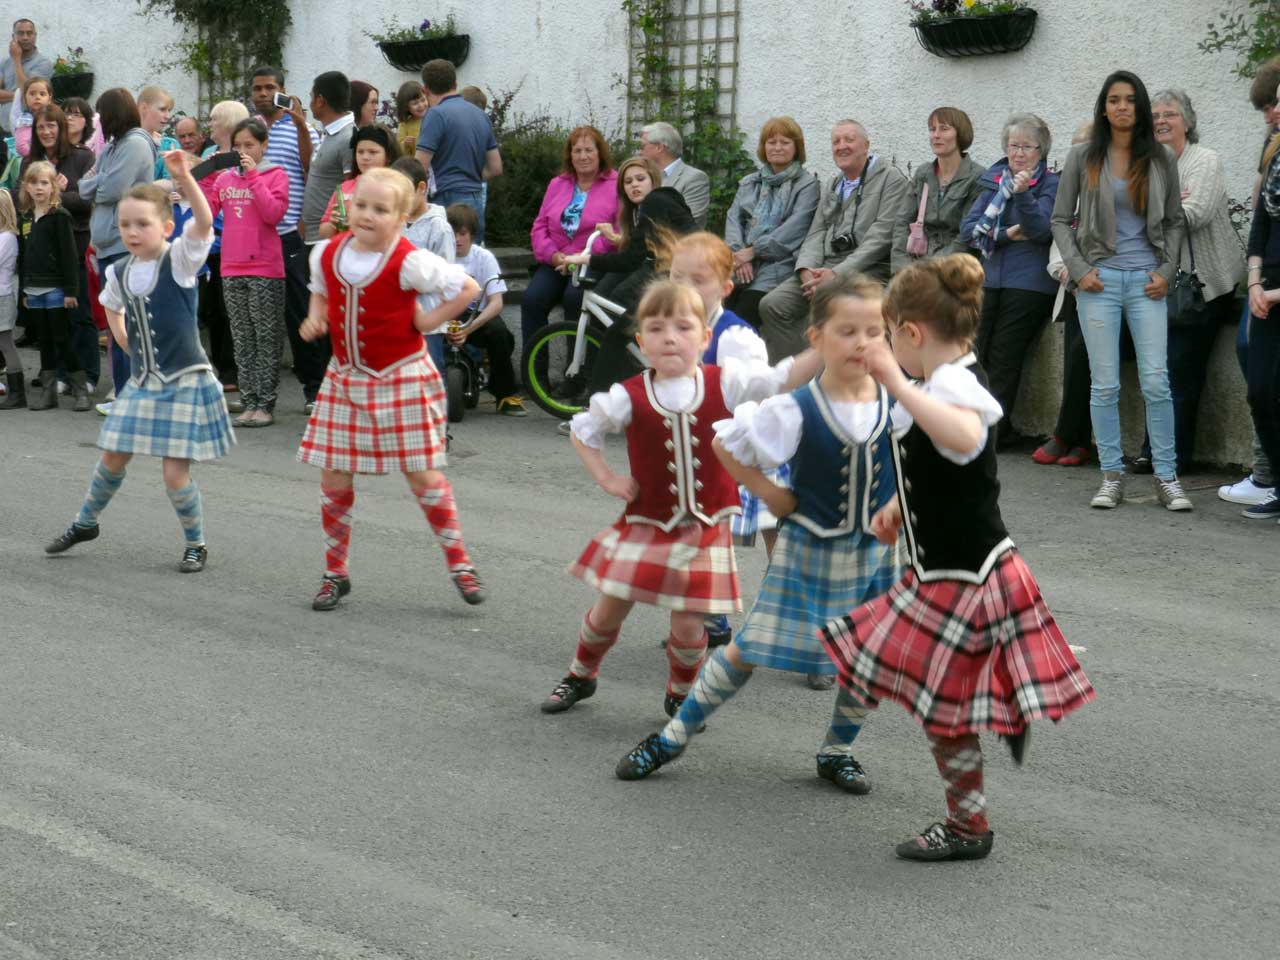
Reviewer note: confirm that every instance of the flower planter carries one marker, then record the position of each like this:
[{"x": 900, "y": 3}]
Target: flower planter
[
  {"x": 410, "y": 55},
  {"x": 971, "y": 36},
  {"x": 72, "y": 85}
]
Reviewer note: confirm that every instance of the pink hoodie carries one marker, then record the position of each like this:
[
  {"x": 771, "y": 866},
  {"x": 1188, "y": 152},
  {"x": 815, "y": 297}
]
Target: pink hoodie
[
  {"x": 251, "y": 204},
  {"x": 601, "y": 207}
]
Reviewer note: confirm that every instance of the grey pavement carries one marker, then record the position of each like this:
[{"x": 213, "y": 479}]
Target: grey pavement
[{"x": 201, "y": 768}]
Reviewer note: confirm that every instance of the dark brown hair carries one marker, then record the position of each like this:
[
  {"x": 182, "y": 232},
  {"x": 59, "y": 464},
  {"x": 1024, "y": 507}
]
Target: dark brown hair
[
  {"x": 117, "y": 112},
  {"x": 85, "y": 109},
  {"x": 857, "y": 286},
  {"x": 62, "y": 149},
  {"x": 602, "y": 148},
  {"x": 409, "y": 91},
  {"x": 359, "y": 95},
  {"x": 1143, "y": 146},
  {"x": 463, "y": 216},
  {"x": 943, "y": 294},
  {"x": 439, "y": 76}
]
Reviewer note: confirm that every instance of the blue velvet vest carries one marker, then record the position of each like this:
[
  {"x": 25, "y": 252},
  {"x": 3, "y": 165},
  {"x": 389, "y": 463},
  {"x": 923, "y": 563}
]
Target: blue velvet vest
[
  {"x": 839, "y": 483},
  {"x": 727, "y": 319},
  {"x": 161, "y": 323}
]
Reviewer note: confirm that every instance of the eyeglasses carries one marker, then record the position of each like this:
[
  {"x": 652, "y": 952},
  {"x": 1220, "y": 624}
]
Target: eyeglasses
[
  {"x": 1024, "y": 147},
  {"x": 1166, "y": 115}
]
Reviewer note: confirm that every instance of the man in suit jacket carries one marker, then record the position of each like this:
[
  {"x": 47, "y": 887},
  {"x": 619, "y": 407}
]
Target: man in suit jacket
[
  {"x": 662, "y": 143},
  {"x": 852, "y": 231}
]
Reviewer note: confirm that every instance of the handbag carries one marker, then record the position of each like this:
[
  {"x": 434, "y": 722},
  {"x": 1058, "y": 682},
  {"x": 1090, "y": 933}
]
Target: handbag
[
  {"x": 917, "y": 242},
  {"x": 1185, "y": 298}
]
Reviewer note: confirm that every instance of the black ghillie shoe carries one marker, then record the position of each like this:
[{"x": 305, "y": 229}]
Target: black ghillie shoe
[
  {"x": 193, "y": 559},
  {"x": 568, "y": 692},
  {"x": 939, "y": 842},
  {"x": 845, "y": 772},
  {"x": 469, "y": 585},
  {"x": 332, "y": 589},
  {"x": 647, "y": 757},
  {"x": 71, "y": 536},
  {"x": 1018, "y": 743}
]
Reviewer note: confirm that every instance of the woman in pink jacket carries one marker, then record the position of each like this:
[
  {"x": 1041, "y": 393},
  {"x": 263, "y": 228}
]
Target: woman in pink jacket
[
  {"x": 252, "y": 200},
  {"x": 576, "y": 201}
]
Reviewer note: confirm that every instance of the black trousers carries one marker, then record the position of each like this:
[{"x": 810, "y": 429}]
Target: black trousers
[
  {"x": 1011, "y": 322},
  {"x": 745, "y": 302},
  {"x": 310, "y": 360},
  {"x": 1074, "y": 428},
  {"x": 500, "y": 343},
  {"x": 1263, "y": 379},
  {"x": 212, "y": 312}
]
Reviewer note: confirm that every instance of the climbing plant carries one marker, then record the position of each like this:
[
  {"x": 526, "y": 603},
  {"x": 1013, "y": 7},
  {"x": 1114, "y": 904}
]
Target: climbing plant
[
  {"x": 222, "y": 42},
  {"x": 658, "y": 89},
  {"x": 1254, "y": 35}
]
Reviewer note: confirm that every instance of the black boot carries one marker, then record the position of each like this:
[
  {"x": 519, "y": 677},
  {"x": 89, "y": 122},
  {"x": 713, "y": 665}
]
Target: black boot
[
  {"x": 17, "y": 396},
  {"x": 47, "y": 398},
  {"x": 79, "y": 392}
]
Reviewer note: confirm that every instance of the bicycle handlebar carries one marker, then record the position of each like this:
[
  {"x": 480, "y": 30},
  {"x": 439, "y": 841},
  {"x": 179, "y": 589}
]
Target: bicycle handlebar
[{"x": 581, "y": 272}]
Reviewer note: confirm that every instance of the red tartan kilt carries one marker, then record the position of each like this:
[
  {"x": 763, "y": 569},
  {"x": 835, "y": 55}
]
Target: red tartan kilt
[
  {"x": 367, "y": 424},
  {"x": 961, "y": 657},
  {"x": 692, "y": 568}
]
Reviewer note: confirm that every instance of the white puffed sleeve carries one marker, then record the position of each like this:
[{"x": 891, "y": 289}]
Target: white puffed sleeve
[
  {"x": 955, "y": 384},
  {"x": 111, "y": 297},
  {"x": 741, "y": 343},
  {"x": 317, "y": 284},
  {"x": 751, "y": 379},
  {"x": 764, "y": 435},
  {"x": 425, "y": 272},
  {"x": 606, "y": 413}
]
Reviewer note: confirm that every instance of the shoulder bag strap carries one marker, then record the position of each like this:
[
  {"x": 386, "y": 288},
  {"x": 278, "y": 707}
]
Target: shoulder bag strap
[
  {"x": 1190, "y": 248},
  {"x": 924, "y": 200}
]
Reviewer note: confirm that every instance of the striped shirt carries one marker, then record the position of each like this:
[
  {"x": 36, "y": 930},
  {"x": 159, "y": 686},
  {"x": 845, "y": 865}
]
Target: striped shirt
[{"x": 282, "y": 150}]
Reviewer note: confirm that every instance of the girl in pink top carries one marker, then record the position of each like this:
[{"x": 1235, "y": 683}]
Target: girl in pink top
[{"x": 252, "y": 200}]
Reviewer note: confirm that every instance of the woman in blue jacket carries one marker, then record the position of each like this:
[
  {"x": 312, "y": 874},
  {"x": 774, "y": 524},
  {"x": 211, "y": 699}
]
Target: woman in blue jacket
[{"x": 1009, "y": 224}]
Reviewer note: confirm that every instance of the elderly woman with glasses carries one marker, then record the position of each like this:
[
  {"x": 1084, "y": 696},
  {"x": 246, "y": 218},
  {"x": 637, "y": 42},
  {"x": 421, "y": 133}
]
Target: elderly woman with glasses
[{"x": 1009, "y": 225}]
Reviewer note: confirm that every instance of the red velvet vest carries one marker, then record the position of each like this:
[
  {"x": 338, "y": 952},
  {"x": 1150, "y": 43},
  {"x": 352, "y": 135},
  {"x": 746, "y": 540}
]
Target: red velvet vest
[
  {"x": 671, "y": 457},
  {"x": 371, "y": 323}
]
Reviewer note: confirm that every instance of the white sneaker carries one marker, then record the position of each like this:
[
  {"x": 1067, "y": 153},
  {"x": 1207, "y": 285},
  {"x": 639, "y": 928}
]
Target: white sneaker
[
  {"x": 104, "y": 409},
  {"x": 1246, "y": 492},
  {"x": 64, "y": 388}
]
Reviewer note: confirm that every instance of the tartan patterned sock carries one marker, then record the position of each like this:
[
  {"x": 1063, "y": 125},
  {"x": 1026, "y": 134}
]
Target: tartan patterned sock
[
  {"x": 592, "y": 646},
  {"x": 959, "y": 761},
  {"x": 683, "y": 661},
  {"x": 102, "y": 487},
  {"x": 442, "y": 514},
  {"x": 718, "y": 680},
  {"x": 846, "y": 721},
  {"x": 190, "y": 510},
  {"x": 335, "y": 517}
]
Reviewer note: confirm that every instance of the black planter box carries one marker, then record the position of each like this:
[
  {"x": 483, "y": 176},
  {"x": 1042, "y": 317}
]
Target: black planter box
[
  {"x": 971, "y": 36},
  {"x": 72, "y": 85},
  {"x": 410, "y": 55}
]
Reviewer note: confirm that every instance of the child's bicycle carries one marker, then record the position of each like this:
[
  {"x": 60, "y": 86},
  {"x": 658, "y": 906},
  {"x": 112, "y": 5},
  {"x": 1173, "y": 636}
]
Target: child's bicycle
[
  {"x": 464, "y": 373},
  {"x": 557, "y": 357}
]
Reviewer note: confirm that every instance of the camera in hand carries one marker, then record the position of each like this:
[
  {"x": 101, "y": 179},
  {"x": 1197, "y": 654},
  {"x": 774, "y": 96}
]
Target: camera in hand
[
  {"x": 283, "y": 101},
  {"x": 844, "y": 243}
]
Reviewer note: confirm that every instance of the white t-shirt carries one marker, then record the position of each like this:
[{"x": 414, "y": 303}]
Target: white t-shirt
[
  {"x": 186, "y": 255},
  {"x": 482, "y": 266},
  {"x": 8, "y": 262}
]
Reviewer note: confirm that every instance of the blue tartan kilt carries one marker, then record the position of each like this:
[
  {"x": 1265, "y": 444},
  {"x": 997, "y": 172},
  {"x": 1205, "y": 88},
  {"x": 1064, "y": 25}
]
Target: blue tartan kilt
[
  {"x": 755, "y": 516},
  {"x": 809, "y": 581},
  {"x": 185, "y": 419}
]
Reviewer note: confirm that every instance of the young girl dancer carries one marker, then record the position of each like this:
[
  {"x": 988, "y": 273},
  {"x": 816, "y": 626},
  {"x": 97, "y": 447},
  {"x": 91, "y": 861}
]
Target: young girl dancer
[
  {"x": 824, "y": 561},
  {"x": 172, "y": 406},
  {"x": 51, "y": 283},
  {"x": 671, "y": 547},
  {"x": 964, "y": 640},
  {"x": 382, "y": 405},
  {"x": 253, "y": 199}
]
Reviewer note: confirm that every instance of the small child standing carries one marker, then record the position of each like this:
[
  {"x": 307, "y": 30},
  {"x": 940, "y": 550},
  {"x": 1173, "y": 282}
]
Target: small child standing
[
  {"x": 428, "y": 229},
  {"x": 824, "y": 561},
  {"x": 381, "y": 406},
  {"x": 51, "y": 283},
  {"x": 964, "y": 641},
  {"x": 487, "y": 331},
  {"x": 15, "y": 397},
  {"x": 36, "y": 95},
  {"x": 172, "y": 405},
  {"x": 671, "y": 547},
  {"x": 411, "y": 107},
  {"x": 252, "y": 200}
]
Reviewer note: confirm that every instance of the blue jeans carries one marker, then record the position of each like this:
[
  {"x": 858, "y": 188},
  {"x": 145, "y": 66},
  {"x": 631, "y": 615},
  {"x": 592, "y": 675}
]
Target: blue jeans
[
  {"x": 1122, "y": 300},
  {"x": 469, "y": 195},
  {"x": 52, "y": 300}
]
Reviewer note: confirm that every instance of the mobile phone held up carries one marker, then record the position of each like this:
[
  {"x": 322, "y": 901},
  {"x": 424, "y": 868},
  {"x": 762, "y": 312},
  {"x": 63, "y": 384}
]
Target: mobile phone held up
[
  {"x": 219, "y": 161},
  {"x": 283, "y": 101}
]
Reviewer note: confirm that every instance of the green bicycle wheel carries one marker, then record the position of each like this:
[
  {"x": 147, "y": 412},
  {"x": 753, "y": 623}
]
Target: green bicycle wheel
[{"x": 546, "y": 357}]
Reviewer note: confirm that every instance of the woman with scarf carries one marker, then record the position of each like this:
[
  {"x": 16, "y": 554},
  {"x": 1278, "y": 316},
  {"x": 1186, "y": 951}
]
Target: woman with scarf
[
  {"x": 770, "y": 217},
  {"x": 1009, "y": 224}
]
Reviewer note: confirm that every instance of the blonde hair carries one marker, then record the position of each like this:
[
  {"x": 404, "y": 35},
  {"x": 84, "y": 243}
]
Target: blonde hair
[
  {"x": 40, "y": 168},
  {"x": 154, "y": 96},
  {"x": 155, "y": 195},
  {"x": 666, "y": 298},
  {"x": 397, "y": 181},
  {"x": 943, "y": 294},
  {"x": 8, "y": 216},
  {"x": 227, "y": 114},
  {"x": 855, "y": 286},
  {"x": 711, "y": 248}
]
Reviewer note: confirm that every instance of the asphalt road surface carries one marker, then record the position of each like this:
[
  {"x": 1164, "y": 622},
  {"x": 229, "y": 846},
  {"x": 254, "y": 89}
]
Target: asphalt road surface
[{"x": 201, "y": 768}]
